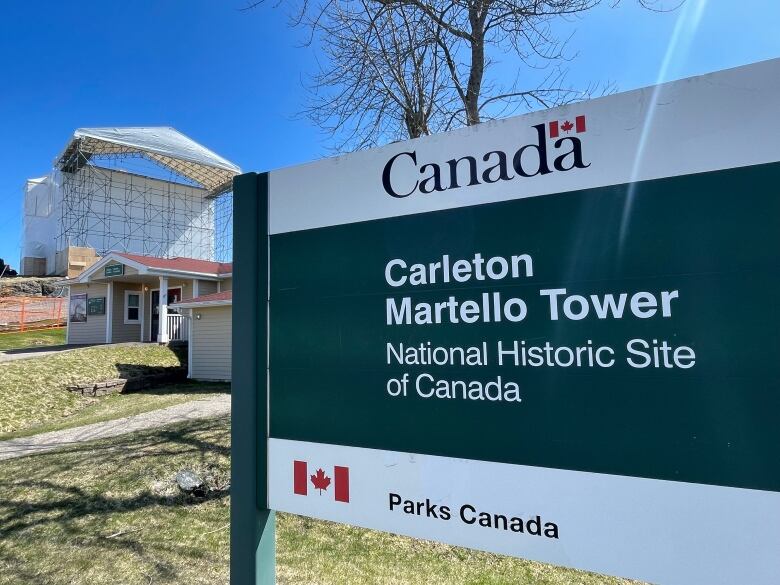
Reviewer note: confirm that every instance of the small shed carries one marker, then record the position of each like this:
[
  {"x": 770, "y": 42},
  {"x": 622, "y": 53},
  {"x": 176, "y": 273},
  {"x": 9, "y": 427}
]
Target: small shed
[{"x": 211, "y": 333}]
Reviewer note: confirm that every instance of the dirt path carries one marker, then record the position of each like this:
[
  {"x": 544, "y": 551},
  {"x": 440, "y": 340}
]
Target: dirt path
[{"x": 196, "y": 409}]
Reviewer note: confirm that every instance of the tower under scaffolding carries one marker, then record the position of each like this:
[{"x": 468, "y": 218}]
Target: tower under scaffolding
[{"x": 150, "y": 191}]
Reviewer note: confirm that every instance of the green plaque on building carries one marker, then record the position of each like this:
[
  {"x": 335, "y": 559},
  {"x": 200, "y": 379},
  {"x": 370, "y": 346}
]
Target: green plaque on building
[
  {"x": 114, "y": 270},
  {"x": 96, "y": 306}
]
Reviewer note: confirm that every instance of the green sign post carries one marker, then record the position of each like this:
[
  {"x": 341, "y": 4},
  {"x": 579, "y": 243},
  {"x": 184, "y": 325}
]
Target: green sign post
[
  {"x": 553, "y": 337},
  {"x": 252, "y": 549}
]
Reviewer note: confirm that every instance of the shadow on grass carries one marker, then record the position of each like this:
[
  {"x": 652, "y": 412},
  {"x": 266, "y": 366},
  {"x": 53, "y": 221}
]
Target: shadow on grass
[
  {"x": 188, "y": 387},
  {"x": 142, "y": 376},
  {"x": 54, "y": 497},
  {"x": 46, "y": 349},
  {"x": 140, "y": 370}
]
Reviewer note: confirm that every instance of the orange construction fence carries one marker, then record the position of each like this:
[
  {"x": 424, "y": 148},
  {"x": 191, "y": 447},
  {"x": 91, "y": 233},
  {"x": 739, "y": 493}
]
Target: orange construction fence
[{"x": 27, "y": 313}]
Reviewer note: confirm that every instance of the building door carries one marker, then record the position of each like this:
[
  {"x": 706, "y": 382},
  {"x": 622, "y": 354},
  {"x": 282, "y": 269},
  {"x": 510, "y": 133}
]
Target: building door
[{"x": 174, "y": 296}]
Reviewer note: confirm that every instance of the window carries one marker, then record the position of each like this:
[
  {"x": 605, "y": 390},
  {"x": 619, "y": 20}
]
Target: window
[{"x": 132, "y": 307}]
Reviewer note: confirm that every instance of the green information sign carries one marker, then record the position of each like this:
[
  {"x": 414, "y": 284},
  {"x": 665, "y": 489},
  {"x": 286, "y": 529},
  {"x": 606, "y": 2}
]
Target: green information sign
[
  {"x": 552, "y": 337},
  {"x": 591, "y": 356},
  {"x": 96, "y": 306},
  {"x": 114, "y": 270}
]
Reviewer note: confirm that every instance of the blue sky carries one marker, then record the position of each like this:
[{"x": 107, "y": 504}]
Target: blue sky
[{"x": 233, "y": 80}]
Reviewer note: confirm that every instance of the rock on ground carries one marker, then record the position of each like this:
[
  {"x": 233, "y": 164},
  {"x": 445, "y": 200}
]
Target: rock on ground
[{"x": 189, "y": 481}]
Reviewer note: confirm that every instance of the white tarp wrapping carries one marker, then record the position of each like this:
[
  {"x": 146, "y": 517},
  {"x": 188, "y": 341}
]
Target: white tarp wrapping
[
  {"x": 42, "y": 214},
  {"x": 164, "y": 145},
  {"x": 39, "y": 219},
  {"x": 161, "y": 140}
]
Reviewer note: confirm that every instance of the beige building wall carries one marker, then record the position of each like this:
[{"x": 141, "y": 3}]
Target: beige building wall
[
  {"x": 207, "y": 287},
  {"x": 94, "y": 329},
  {"x": 211, "y": 343},
  {"x": 120, "y": 331},
  {"x": 226, "y": 284},
  {"x": 185, "y": 285}
]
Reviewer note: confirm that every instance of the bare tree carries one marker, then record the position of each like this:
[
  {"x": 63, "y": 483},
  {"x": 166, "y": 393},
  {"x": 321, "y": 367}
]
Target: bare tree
[
  {"x": 523, "y": 28},
  {"x": 470, "y": 27},
  {"x": 381, "y": 75},
  {"x": 396, "y": 69}
]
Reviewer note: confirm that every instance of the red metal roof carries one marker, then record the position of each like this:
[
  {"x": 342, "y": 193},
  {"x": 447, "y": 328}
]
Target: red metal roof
[
  {"x": 181, "y": 264},
  {"x": 226, "y": 295}
]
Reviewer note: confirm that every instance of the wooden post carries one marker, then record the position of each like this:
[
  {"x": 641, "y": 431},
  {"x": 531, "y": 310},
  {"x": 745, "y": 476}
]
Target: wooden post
[
  {"x": 59, "y": 311},
  {"x": 22, "y": 316}
]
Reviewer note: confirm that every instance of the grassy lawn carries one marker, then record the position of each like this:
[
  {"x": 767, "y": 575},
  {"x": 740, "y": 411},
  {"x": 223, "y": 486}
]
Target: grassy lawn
[
  {"x": 27, "y": 339},
  {"x": 32, "y": 391},
  {"x": 116, "y": 406},
  {"x": 108, "y": 512}
]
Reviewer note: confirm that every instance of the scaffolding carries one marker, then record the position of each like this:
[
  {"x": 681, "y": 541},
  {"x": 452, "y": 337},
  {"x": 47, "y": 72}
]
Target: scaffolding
[
  {"x": 149, "y": 191},
  {"x": 223, "y": 225}
]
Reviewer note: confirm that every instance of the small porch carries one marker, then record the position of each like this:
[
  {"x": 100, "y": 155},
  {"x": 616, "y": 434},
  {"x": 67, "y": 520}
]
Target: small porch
[
  {"x": 138, "y": 308},
  {"x": 121, "y": 300}
]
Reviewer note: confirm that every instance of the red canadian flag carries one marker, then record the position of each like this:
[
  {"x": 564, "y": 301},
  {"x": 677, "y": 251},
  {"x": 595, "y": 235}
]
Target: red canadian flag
[
  {"x": 321, "y": 480},
  {"x": 566, "y": 126}
]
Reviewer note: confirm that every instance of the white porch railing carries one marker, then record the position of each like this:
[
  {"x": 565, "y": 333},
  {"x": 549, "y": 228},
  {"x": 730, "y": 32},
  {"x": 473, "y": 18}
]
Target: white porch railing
[{"x": 178, "y": 327}]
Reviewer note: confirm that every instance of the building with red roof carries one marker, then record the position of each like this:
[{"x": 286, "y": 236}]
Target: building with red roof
[{"x": 126, "y": 297}]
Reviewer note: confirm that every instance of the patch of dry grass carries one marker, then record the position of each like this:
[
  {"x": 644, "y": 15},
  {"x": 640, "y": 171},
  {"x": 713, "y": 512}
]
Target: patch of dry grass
[
  {"x": 116, "y": 406},
  {"x": 109, "y": 512},
  {"x": 32, "y": 391}
]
